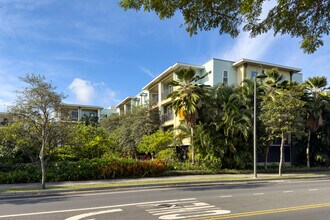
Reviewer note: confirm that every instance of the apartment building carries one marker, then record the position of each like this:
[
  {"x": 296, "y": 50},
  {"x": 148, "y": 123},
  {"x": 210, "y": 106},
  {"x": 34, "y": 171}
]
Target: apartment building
[
  {"x": 75, "y": 112},
  {"x": 108, "y": 111},
  {"x": 221, "y": 71}
]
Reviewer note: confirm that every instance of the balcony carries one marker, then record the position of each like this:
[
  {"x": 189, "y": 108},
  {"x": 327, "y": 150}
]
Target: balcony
[
  {"x": 154, "y": 100},
  {"x": 166, "y": 92},
  {"x": 167, "y": 117}
]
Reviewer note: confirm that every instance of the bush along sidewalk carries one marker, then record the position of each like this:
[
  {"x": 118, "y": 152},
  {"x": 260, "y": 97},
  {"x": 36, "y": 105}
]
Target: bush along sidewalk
[{"x": 88, "y": 169}]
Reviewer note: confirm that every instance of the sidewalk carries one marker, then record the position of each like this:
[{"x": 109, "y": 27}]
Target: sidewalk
[{"x": 29, "y": 189}]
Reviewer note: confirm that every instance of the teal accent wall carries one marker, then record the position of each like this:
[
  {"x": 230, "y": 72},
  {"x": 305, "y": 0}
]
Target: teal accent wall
[
  {"x": 297, "y": 77},
  {"x": 219, "y": 67}
]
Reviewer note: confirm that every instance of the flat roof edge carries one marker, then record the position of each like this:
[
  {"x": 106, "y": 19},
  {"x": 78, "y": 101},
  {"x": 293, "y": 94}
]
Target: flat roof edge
[
  {"x": 79, "y": 105},
  {"x": 124, "y": 100},
  {"x": 266, "y": 64},
  {"x": 173, "y": 67}
]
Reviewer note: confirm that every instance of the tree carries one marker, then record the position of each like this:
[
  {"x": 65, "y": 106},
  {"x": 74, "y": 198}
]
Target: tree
[
  {"x": 306, "y": 19},
  {"x": 224, "y": 129},
  {"x": 130, "y": 127},
  {"x": 281, "y": 114},
  {"x": 317, "y": 100},
  {"x": 36, "y": 106},
  {"x": 186, "y": 98},
  {"x": 155, "y": 142},
  {"x": 85, "y": 141}
]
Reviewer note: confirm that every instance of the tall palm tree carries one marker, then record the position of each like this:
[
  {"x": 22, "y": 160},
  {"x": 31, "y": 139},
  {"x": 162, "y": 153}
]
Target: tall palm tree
[
  {"x": 186, "y": 99},
  {"x": 316, "y": 97}
]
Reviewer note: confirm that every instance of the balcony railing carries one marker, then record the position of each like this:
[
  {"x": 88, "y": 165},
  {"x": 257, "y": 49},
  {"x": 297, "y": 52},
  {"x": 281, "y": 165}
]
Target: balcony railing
[
  {"x": 166, "y": 92},
  {"x": 154, "y": 100},
  {"x": 167, "y": 117}
]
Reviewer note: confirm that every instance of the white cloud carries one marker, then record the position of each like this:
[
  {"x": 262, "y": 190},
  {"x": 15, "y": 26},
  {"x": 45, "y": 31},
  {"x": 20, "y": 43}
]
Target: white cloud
[
  {"x": 247, "y": 47},
  {"x": 110, "y": 97},
  {"x": 147, "y": 71},
  {"x": 95, "y": 93},
  {"x": 83, "y": 90}
]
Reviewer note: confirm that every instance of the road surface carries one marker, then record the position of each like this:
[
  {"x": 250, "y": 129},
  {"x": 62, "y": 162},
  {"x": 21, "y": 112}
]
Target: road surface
[{"x": 286, "y": 199}]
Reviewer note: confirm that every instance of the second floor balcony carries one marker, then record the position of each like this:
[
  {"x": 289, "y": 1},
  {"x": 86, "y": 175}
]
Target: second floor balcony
[
  {"x": 167, "y": 116},
  {"x": 154, "y": 100},
  {"x": 166, "y": 92}
]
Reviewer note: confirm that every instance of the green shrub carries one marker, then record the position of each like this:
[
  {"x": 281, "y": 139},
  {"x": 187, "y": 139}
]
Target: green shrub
[
  {"x": 167, "y": 155},
  {"x": 87, "y": 169}
]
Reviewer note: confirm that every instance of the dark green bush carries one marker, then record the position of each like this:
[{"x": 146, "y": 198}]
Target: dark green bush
[{"x": 88, "y": 169}]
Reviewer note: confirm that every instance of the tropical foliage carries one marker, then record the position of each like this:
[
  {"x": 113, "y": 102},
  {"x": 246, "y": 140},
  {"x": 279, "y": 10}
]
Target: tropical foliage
[
  {"x": 308, "y": 19},
  {"x": 218, "y": 121},
  {"x": 316, "y": 101},
  {"x": 187, "y": 98},
  {"x": 155, "y": 142}
]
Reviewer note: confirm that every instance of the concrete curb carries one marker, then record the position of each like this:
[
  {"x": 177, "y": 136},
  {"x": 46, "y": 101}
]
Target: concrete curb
[{"x": 184, "y": 183}]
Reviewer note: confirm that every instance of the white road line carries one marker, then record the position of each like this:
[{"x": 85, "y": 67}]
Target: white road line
[
  {"x": 77, "y": 217},
  {"x": 173, "y": 207},
  {"x": 258, "y": 194},
  {"x": 90, "y": 208},
  {"x": 287, "y": 191},
  {"x": 226, "y": 196},
  {"x": 184, "y": 210},
  {"x": 313, "y": 190},
  {"x": 170, "y": 202},
  {"x": 196, "y": 215}
]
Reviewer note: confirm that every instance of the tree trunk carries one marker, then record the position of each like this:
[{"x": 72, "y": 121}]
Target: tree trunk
[
  {"x": 281, "y": 155},
  {"x": 192, "y": 145},
  {"x": 266, "y": 156},
  {"x": 308, "y": 149},
  {"x": 42, "y": 164}
]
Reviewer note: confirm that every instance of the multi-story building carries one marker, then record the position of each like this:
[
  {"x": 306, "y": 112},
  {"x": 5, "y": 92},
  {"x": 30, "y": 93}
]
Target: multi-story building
[
  {"x": 75, "y": 112},
  {"x": 108, "y": 111},
  {"x": 221, "y": 71}
]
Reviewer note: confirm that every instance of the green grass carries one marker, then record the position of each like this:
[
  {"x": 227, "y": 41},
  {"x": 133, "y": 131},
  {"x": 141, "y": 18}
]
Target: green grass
[{"x": 163, "y": 182}]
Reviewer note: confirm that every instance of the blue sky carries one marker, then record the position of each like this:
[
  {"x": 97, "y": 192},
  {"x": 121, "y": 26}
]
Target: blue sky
[{"x": 98, "y": 54}]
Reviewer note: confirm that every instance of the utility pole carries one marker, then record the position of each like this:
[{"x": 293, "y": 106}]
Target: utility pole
[{"x": 255, "y": 127}]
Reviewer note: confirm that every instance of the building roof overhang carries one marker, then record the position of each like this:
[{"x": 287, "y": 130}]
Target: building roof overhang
[
  {"x": 265, "y": 64},
  {"x": 170, "y": 70},
  {"x": 66, "y": 105},
  {"x": 128, "y": 98}
]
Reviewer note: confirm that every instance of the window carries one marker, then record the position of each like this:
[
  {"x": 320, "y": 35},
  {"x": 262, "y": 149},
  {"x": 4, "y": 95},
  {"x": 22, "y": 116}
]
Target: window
[
  {"x": 74, "y": 115},
  {"x": 253, "y": 74},
  {"x": 225, "y": 77}
]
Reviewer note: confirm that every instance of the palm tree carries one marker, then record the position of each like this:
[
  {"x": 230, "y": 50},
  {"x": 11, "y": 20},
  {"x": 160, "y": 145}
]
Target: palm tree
[
  {"x": 316, "y": 97},
  {"x": 186, "y": 99}
]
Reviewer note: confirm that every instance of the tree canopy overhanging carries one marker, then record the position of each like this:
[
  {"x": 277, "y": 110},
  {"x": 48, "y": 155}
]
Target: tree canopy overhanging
[{"x": 305, "y": 19}]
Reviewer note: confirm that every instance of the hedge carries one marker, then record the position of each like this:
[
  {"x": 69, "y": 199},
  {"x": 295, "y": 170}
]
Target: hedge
[{"x": 88, "y": 169}]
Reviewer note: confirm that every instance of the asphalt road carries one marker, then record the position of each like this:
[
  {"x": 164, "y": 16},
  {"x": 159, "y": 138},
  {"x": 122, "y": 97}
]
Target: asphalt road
[{"x": 295, "y": 199}]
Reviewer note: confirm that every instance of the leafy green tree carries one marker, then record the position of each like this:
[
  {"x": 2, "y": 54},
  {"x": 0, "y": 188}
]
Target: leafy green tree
[
  {"x": 130, "y": 127},
  {"x": 186, "y": 99},
  {"x": 85, "y": 142},
  {"x": 90, "y": 120},
  {"x": 155, "y": 142},
  {"x": 281, "y": 114},
  {"x": 306, "y": 19},
  {"x": 18, "y": 143},
  {"x": 317, "y": 100},
  {"x": 36, "y": 106}
]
